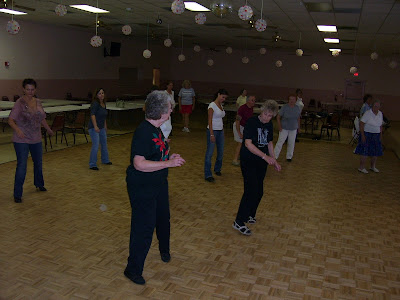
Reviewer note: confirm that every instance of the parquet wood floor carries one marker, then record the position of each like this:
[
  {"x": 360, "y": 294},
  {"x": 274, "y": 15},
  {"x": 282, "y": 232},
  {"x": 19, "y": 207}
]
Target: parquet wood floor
[{"x": 324, "y": 230}]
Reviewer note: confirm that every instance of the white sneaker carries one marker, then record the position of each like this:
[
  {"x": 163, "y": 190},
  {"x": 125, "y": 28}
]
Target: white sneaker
[
  {"x": 374, "y": 169},
  {"x": 184, "y": 129},
  {"x": 363, "y": 171},
  {"x": 187, "y": 129}
]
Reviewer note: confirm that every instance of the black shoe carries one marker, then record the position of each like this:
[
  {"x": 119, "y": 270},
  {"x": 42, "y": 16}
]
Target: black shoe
[
  {"x": 138, "y": 279},
  {"x": 210, "y": 179},
  {"x": 289, "y": 159},
  {"x": 109, "y": 163},
  {"x": 41, "y": 188},
  {"x": 165, "y": 257},
  {"x": 297, "y": 140},
  {"x": 94, "y": 168},
  {"x": 17, "y": 200},
  {"x": 218, "y": 173}
]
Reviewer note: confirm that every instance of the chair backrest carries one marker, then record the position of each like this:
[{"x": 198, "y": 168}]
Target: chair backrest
[
  {"x": 16, "y": 97},
  {"x": 68, "y": 96},
  {"x": 4, "y": 98},
  {"x": 80, "y": 119},
  {"x": 311, "y": 103},
  {"x": 335, "y": 120},
  {"x": 58, "y": 123}
]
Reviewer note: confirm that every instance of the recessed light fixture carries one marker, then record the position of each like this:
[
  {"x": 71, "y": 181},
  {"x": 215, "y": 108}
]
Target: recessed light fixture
[
  {"x": 327, "y": 28},
  {"x": 338, "y": 50},
  {"x": 12, "y": 12},
  {"x": 89, "y": 8},
  {"x": 333, "y": 41},
  {"x": 194, "y": 6}
]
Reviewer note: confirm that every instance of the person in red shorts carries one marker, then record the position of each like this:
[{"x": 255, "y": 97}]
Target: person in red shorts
[{"x": 186, "y": 99}]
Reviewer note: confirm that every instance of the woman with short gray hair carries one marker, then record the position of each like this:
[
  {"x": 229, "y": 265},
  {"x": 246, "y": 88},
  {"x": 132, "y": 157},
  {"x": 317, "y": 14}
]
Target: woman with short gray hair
[{"x": 147, "y": 184}]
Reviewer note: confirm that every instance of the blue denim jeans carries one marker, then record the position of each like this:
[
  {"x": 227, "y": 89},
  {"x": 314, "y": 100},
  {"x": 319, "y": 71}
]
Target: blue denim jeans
[
  {"x": 98, "y": 138},
  {"x": 219, "y": 142},
  {"x": 22, "y": 150}
]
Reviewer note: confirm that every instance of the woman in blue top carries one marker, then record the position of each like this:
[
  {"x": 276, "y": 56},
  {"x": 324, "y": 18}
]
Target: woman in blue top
[{"x": 98, "y": 129}]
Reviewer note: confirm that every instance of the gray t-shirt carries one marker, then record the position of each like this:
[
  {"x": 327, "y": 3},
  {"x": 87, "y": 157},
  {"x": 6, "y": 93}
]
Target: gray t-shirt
[
  {"x": 186, "y": 96},
  {"x": 289, "y": 117}
]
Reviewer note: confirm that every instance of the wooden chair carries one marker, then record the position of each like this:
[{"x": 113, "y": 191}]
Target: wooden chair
[
  {"x": 56, "y": 126},
  {"x": 16, "y": 97},
  {"x": 332, "y": 123},
  {"x": 4, "y": 98},
  {"x": 78, "y": 124}
]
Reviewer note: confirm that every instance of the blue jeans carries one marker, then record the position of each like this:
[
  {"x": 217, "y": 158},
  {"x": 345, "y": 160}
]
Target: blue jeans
[
  {"x": 219, "y": 141},
  {"x": 22, "y": 150},
  {"x": 98, "y": 138}
]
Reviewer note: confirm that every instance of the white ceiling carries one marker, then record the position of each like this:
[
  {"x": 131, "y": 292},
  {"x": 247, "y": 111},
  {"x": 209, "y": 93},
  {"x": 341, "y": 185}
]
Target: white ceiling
[{"x": 362, "y": 24}]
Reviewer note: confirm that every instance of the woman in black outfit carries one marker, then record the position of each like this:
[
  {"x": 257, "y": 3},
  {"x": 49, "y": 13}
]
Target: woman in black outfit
[
  {"x": 256, "y": 154},
  {"x": 148, "y": 185}
]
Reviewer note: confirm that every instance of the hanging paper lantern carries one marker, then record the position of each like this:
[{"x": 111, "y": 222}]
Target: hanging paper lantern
[
  {"x": 245, "y": 60},
  {"x": 210, "y": 62},
  {"x": 261, "y": 25},
  {"x": 299, "y": 52},
  {"x": 393, "y": 64},
  {"x": 96, "y": 41},
  {"x": 335, "y": 53},
  {"x": 197, "y": 48},
  {"x": 147, "y": 53},
  {"x": 229, "y": 50},
  {"x": 263, "y": 51},
  {"x": 245, "y": 12},
  {"x": 178, "y": 7},
  {"x": 200, "y": 18},
  {"x": 13, "y": 27},
  {"x": 374, "y": 56},
  {"x": 314, "y": 66},
  {"x": 181, "y": 57},
  {"x": 278, "y": 63},
  {"x": 126, "y": 29},
  {"x": 167, "y": 43},
  {"x": 221, "y": 8},
  {"x": 353, "y": 70},
  {"x": 61, "y": 10}
]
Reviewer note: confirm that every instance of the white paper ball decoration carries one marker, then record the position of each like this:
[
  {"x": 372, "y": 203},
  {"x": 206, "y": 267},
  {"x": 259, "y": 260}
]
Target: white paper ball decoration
[
  {"x": 314, "y": 66},
  {"x": 12, "y": 27},
  {"x": 200, "y": 18},
  {"x": 147, "y": 53},
  {"x": 197, "y": 48},
  {"x": 181, "y": 57},
  {"x": 353, "y": 70},
  {"x": 374, "y": 56},
  {"x": 335, "y": 53},
  {"x": 263, "y": 51},
  {"x": 60, "y": 10},
  {"x": 245, "y": 60},
  {"x": 261, "y": 25},
  {"x": 167, "y": 42},
  {"x": 393, "y": 64},
  {"x": 245, "y": 12},
  {"x": 278, "y": 63},
  {"x": 229, "y": 50},
  {"x": 178, "y": 7},
  {"x": 210, "y": 62},
  {"x": 96, "y": 41},
  {"x": 126, "y": 29},
  {"x": 299, "y": 52}
]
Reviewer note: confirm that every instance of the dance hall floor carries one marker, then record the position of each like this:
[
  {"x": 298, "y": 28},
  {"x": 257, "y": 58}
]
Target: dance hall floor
[{"x": 324, "y": 230}]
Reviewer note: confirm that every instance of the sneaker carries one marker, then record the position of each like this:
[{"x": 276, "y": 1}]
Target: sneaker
[
  {"x": 184, "y": 129},
  {"x": 374, "y": 169},
  {"x": 252, "y": 220},
  {"x": 235, "y": 163},
  {"x": 210, "y": 179},
  {"x": 94, "y": 168},
  {"x": 289, "y": 159},
  {"x": 187, "y": 129},
  {"x": 138, "y": 279},
  {"x": 363, "y": 171},
  {"x": 218, "y": 173}
]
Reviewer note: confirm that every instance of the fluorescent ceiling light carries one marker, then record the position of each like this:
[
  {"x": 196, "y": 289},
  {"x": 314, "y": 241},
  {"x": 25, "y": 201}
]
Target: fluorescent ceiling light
[
  {"x": 12, "y": 12},
  {"x": 338, "y": 50},
  {"x": 89, "y": 8},
  {"x": 194, "y": 6},
  {"x": 327, "y": 28},
  {"x": 334, "y": 41}
]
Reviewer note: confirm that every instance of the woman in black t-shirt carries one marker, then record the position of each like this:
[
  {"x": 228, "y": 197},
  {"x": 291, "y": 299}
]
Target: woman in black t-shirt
[
  {"x": 147, "y": 184},
  {"x": 256, "y": 154}
]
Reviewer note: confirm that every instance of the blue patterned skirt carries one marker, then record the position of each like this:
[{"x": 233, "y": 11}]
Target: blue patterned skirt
[{"x": 372, "y": 146}]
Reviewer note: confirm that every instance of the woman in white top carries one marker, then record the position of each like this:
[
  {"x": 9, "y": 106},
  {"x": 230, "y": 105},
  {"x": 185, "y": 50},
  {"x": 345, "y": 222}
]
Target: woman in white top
[
  {"x": 370, "y": 141},
  {"x": 166, "y": 127},
  {"x": 215, "y": 135}
]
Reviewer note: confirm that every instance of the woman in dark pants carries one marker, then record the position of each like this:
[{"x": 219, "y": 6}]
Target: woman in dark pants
[
  {"x": 26, "y": 119},
  {"x": 256, "y": 154},
  {"x": 148, "y": 185}
]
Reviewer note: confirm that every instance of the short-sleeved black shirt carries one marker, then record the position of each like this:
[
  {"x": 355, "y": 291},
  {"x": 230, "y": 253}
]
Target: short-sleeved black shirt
[
  {"x": 260, "y": 134},
  {"x": 100, "y": 113},
  {"x": 149, "y": 142}
]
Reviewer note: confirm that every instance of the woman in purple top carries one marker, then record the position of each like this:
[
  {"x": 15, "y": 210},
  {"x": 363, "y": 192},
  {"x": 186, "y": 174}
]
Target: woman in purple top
[{"x": 26, "y": 119}]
